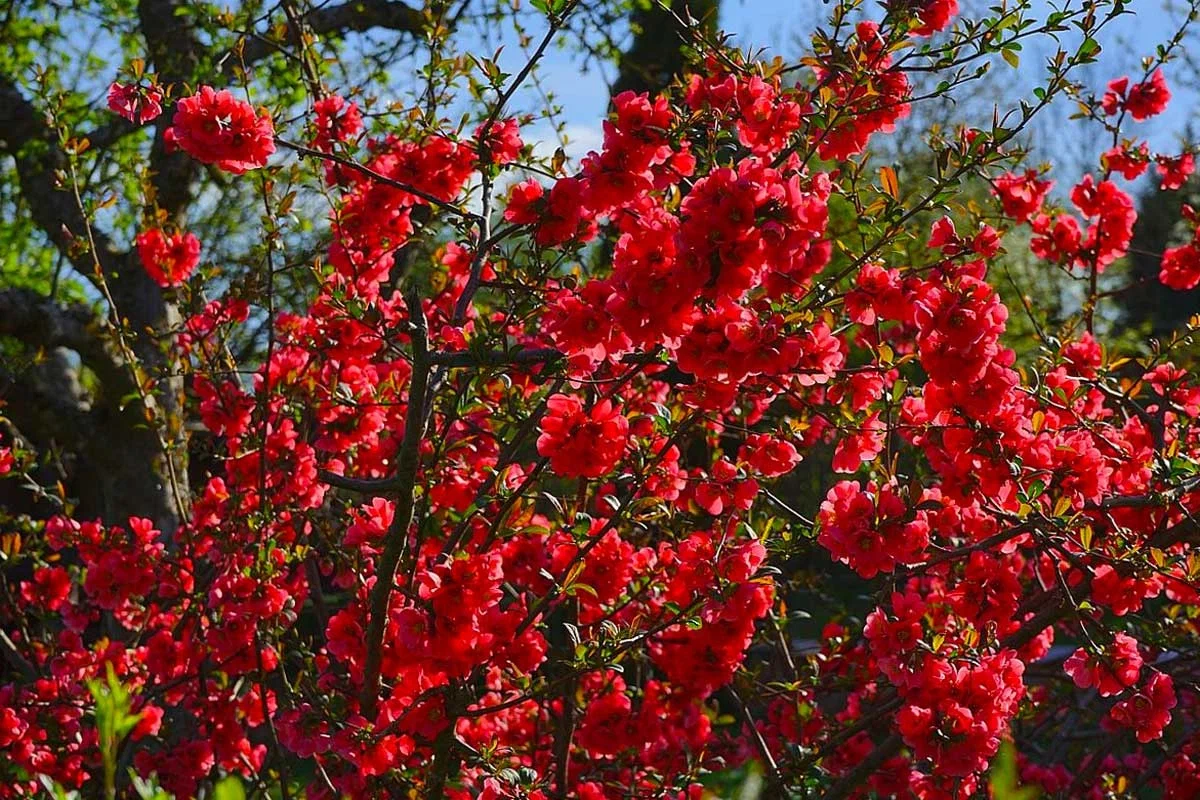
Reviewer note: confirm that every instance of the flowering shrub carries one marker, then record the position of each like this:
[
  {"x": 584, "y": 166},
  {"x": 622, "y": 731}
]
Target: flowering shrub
[{"x": 522, "y": 522}]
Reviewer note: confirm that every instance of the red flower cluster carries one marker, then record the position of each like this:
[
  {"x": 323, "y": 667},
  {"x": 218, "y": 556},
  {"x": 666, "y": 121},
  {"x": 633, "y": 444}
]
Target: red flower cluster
[
  {"x": 1110, "y": 672},
  {"x": 1175, "y": 171},
  {"x": 933, "y": 15},
  {"x": 582, "y": 442},
  {"x": 1021, "y": 195},
  {"x": 500, "y": 143},
  {"x": 872, "y": 97},
  {"x": 136, "y": 103},
  {"x": 216, "y": 128},
  {"x": 1180, "y": 266},
  {"x": 1063, "y": 239},
  {"x": 335, "y": 120},
  {"x": 867, "y": 529},
  {"x": 1141, "y": 101},
  {"x": 1131, "y": 162},
  {"x": 168, "y": 258},
  {"x": 769, "y": 456},
  {"x": 960, "y": 715}
]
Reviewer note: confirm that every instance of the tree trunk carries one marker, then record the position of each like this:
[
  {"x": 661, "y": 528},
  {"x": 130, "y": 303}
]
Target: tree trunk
[{"x": 659, "y": 51}]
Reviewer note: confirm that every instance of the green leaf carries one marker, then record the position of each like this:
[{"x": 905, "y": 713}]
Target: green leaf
[
  {"x": 1007, "y": 21},
  {"x": 549, "y": 6},
  {"x": 114, "y": 721},
  {"x": 229, "y": 788},
  {"x": 1003, "y": 777}
]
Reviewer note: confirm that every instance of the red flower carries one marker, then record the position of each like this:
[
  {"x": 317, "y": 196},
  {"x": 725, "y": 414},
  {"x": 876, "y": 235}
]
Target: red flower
[
  {"x": 864, "y": 444},
  {"x": 1180, "y": 267},
  {"x": 138, "y": 104},
  {"x": 524, "y": 202},
  {"x": 769, "y": 456},
  {"x": 1149, "y": 98},
  {"x": 216, "y": 128},
  {"x": 1144, "y": 100},
  {"x": 1175, "y": 171},
  {"x": 503, "y": 143},
  {"x": 582, "y": 443},
  {"x": 1148, "y": 711},
  {"x": 1130, "y": 162},
  {"x": 606, "y": 728},
  {"x": 1021, "y": 195},
  {"x": 1110, "y": 672},
  {"x": 168, "y": 258},
  {"x": 336, "y": 121},
  {"x": 935, "y": 15}
]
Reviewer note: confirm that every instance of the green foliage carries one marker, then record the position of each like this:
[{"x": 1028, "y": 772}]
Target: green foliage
[
  {"x": 552, "y": 7},
  {"x": 229, "y": 788},
  {"x": 1004, "y": 779},
  {"x": 114, "y": 721}
]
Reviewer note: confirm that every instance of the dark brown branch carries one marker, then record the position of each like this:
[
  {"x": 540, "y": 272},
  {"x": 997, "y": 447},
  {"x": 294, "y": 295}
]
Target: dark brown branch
[
  {"x": 396, "y": 540},
  {"x": 353, "y": 17},
  {"x": 496, "y": 358},
  {"x": 13, "y": 656},
  {"x": 852, "y": 780},
  {"x": 547, "y": 355},
  {"x": 39, "y": 321},
  {"x": 369, "y": 486},
  {"x": 174, "y": 50}
]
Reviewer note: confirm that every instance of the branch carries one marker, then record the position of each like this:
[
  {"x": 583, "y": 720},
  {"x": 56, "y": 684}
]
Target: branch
[
  {"x": 353, "y": 17},
  {"x": 397, "y": 534},
  {"x": 485, "y": 215},
  {"x": 174, "y": 49},
  {"x": 562, "y": 655},
  {"x": 23, "y": 132},
  {"x": 670, "y": 373},
  {"x": 47, "y": 402},
  {"x": 13, "y": 655},
  {"x": 40, "y": 322},
  {"x": 496, "y": 358},
  {"x": 854, "y": 779},
  {"x": 368, "y": 486}
]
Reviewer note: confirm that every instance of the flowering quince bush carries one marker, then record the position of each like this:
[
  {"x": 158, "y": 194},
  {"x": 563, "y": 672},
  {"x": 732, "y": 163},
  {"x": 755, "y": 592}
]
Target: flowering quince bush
[{"x": 503, "y": 506}]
